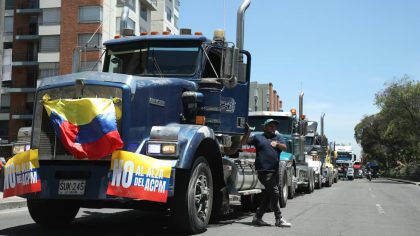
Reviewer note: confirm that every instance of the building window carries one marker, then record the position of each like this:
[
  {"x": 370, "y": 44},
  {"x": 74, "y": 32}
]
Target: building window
[
  {"x": 176, "y": 22},
  {"x": 130, "y": 24},
  {"x": 48, "y": 69},
  {"x": 143, "y": 12},
  {"x": 90, "y": 14},
  {"x": 51, "y": 16},
  {"x": 50, "y": 43},
  {"x": 169, "y": 14},
  {"x": 90, "y": 42},
  {"x": 10, "y": 5},
  {"x": 8, "y": 24},
  {"x": 90, "y": 66},
  {"x": 130, "y": 4}
]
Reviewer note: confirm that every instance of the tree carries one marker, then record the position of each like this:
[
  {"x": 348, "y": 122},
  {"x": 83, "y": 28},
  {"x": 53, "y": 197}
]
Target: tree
[{"x": 394, "y": 133}]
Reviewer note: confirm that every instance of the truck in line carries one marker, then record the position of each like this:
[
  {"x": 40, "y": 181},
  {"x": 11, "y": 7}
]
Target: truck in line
[{"x": 182, "y": 98}]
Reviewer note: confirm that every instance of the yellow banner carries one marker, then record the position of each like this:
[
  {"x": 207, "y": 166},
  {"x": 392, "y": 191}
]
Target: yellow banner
[
  {"x": 21, "y": 174},
  {"x": 139, "y": 176}
]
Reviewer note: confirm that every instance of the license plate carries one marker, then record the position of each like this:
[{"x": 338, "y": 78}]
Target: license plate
[{"x": 71, "y": 187}]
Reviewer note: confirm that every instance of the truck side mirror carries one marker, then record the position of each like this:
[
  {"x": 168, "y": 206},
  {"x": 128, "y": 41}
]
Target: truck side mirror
[{"x": 230, "y": 64}]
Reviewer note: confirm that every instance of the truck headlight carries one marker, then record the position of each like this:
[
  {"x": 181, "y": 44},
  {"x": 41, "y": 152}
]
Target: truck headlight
[
  {"x": 169, "y": 148},
  {"x": 161, "y": 148}
]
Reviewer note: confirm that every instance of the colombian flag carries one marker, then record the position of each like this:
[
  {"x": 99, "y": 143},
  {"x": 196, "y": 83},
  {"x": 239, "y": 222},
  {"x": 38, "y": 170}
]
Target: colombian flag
[{"x": 87, "y": 127}]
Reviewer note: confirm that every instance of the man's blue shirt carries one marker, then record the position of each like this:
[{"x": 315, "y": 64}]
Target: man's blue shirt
[{"x": 267, "y": 157}]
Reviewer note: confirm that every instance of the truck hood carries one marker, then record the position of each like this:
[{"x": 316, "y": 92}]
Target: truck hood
[{"x": 130, "y": 80}]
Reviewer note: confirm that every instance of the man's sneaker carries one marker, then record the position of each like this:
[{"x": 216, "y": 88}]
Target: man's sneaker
[
  {"x": 259, "y": 222},
  {"x": 282, "y": 223}
]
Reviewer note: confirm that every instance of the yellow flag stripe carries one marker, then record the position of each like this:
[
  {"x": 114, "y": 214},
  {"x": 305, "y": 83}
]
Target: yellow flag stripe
[{"x": 79, "y": 111}]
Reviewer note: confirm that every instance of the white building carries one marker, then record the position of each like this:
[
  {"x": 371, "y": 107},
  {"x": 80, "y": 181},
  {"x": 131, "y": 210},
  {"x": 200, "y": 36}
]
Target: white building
[{"x": 166, "y": 17}]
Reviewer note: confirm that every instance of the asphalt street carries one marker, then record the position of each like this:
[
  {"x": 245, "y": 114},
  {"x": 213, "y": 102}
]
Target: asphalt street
[{"x": 359, "y": 207}]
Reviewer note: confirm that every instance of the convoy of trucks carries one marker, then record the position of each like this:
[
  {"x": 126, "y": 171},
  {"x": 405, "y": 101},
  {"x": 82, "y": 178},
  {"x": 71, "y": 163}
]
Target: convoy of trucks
[{"x": 187, "y": 96}]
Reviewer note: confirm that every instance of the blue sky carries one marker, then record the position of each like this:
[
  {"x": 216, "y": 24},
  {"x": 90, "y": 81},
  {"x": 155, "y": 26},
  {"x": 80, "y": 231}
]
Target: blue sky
[{"x": 340, "y": 52}]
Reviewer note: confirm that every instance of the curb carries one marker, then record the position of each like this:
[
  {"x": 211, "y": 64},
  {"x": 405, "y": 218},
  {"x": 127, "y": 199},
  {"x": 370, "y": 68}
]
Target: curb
[
  {"x": 4, "y": 205},
  {"x": 404, "y": 181}
]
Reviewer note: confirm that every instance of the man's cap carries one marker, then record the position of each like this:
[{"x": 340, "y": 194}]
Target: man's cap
[{"x": 268, "y": 121}]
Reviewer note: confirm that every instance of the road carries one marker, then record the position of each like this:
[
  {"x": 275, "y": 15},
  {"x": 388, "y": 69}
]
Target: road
[{"x": 359, "y": 207}]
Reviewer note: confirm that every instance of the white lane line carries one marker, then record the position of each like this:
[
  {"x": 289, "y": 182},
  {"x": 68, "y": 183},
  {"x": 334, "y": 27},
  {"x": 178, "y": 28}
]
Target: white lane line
[
  {"x": 380, "y": 209},
  {"x": 14, "y": 210}
]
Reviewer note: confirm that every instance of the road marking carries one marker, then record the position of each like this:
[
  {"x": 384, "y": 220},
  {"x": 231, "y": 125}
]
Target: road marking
[
  {"x": 380, "y": 209},
  {"x": 372, "y": 195},
  {"x": 14, "y": 210}
]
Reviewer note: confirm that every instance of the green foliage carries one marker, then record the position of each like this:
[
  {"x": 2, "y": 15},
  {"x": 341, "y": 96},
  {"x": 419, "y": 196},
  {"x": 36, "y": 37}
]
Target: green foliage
[{"x": 392, "y": 136}]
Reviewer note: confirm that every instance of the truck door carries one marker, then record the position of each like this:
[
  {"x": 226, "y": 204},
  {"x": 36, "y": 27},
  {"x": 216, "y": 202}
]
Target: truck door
[{"x": 234, "y": 102}]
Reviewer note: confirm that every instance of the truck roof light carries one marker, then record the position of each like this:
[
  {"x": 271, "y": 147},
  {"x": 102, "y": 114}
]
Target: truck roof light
[
  {"x": 166, "y": 32},
  {"x": 219, "y": 35},
  {"x": 143, "y": 33},
  {"x": 198, "y": 33},
  {"x": 200, "y": 120},
  {"x": 154, "y": 33},
  {"x": 185, "y": 31},
  {"x": 117, "y": 36}
]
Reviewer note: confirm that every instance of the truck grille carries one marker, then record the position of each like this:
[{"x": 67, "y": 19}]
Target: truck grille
[
  {"x": 49, "y": 145},
  {"x": 44, "y": 139}
]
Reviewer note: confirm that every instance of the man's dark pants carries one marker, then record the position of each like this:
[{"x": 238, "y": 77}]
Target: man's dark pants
[{"x": 271, "y": 194}]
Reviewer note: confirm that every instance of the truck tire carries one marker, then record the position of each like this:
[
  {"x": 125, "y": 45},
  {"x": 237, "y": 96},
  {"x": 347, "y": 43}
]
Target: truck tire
[
  {"x": 310, "y": 188},
  {"x": 319, "y": 184},
  {"x": 52, "y": 213},
  {"x": 193, "y": 206},
  {"x": 312, "y": 181},
  {"x": 283, "y": 188},
  {"x": 329, "y": 181},
  {"x": 292, "y": 188}
]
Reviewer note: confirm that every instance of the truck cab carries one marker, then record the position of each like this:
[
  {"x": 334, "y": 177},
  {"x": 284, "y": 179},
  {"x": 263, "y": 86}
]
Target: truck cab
[{"x": 188, "y": 92}]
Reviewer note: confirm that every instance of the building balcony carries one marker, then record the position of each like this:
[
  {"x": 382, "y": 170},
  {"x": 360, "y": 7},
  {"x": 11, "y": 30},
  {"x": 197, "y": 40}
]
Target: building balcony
[
  {"x": 25, "y": 59},
  {"x": 151, "y": 4},
  {"x": 30, "y": 34},
  {"x": 22, "y": 113}
]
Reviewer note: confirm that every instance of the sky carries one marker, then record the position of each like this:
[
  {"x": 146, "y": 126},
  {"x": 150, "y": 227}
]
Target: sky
[{"x": 339, "y": 52}]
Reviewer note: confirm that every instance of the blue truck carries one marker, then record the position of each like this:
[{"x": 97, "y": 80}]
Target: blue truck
[{"x": 186, "y": 91}]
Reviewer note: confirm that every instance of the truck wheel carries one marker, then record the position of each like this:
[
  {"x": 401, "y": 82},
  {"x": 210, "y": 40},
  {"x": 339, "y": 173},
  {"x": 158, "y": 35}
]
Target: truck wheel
[
  {"x": 292, "y": 188},
  {"x": 312, "y": 181},
  {"x": 193, "y": 206},
  {"x": 283, "y": 185},
  {"x": 308, "y": 189},
  {"x": 319, "y": 184},
  {"x": 329, "y": 180},
  {"x": 52, "y": 213}
]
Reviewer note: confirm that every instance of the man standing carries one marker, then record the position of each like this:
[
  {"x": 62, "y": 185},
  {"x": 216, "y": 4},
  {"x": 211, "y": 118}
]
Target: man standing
[{"x": 268, "y": 148}]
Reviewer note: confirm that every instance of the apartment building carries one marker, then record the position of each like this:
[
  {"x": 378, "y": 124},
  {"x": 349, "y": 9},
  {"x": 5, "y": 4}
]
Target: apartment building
[
  {"x": 166, "y": 17},
  {"x": 263, "y": 97},
  {"x": 42, "y": 38}
]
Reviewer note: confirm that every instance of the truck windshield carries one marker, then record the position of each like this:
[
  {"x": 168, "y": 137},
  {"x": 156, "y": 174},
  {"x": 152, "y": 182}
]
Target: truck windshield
[
  {"x": 284, "y": 127},
  {"x": 344, "y": 157},
  {"x": 153, "y": 61}
]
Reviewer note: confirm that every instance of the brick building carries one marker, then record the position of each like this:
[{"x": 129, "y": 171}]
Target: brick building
[{"x": 43, "y": 38}]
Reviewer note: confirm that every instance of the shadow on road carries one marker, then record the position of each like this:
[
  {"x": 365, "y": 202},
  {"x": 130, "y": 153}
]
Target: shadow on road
[{"x": 130, "y": 222}]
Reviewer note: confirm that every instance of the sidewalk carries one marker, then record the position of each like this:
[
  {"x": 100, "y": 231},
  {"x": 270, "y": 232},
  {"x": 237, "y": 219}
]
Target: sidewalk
[
  {"x": 11, "y": 202},
  {"x": 404, "y": 181}
]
